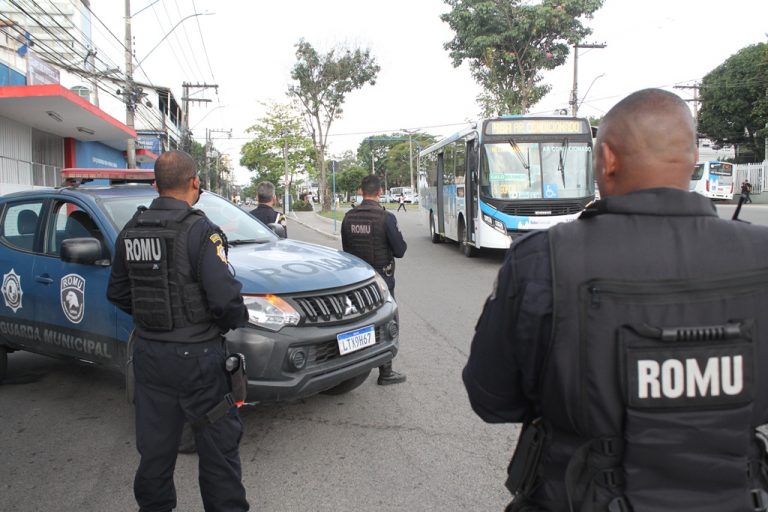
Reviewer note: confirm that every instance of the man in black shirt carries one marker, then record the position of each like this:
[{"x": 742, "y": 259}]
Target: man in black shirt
[
  {"x": 170, "y": 272},
  {"x": 370, "y": 232},
  {"x": 264, "y": 211}
]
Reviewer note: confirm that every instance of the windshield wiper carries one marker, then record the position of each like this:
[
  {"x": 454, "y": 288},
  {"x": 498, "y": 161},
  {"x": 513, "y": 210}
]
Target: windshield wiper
[
  {"x": 247, "y": 241},
  {"x": 563, "y": 157},
  {"x": 523, "y": 161}
]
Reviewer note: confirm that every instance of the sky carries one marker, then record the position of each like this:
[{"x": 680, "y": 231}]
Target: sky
[{"x": 247, "y": 47}]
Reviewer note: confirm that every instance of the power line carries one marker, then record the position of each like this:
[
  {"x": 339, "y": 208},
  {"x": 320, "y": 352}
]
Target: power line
[{"x": 202, "y": 39}]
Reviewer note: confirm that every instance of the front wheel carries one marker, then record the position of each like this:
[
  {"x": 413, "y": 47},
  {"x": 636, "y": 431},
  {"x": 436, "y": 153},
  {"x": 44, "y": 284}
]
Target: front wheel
[
  {"x": 467, "y": 249},
  {"x": 3, "y": 363},
  {"x": 348, "y": 385},
  {"x": 432, "y": 231}
]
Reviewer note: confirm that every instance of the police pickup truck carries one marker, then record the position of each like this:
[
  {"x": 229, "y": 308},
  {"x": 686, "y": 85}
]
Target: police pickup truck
[{"x": 320, "y": 319}]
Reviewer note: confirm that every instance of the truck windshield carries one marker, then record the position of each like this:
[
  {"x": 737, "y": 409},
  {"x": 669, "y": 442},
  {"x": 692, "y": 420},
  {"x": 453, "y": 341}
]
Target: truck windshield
[{"x": 238, "y": 225}]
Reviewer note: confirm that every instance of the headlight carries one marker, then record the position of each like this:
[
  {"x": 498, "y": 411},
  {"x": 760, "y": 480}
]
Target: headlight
[
  {"x": 270, "y": 312},
  {"x": 383, "y": 288},
  {"x": 495, "y": 223}
]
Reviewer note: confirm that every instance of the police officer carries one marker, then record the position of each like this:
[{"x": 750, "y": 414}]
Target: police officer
[
  {"x": 629, "y": 343},
  {"x": 370, "y": 232},
  {"x": 170, "y": 272},
  {"x": 265, "y": 192}
]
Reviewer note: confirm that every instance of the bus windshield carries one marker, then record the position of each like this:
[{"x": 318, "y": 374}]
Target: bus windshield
[{"x": 536, "y": 170}]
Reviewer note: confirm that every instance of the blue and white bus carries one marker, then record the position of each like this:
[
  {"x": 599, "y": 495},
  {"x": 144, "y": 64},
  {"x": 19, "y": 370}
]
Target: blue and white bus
[{"x": 503, "y": 177}]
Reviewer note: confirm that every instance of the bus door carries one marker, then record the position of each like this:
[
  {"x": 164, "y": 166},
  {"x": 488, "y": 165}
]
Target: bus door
[
  {"x": 439, "y": 194},
  {"x": 470, "y": 188}
]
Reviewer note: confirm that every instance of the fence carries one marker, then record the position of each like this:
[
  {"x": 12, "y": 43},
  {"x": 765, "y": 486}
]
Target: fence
[{"x": 756, "y": 174}]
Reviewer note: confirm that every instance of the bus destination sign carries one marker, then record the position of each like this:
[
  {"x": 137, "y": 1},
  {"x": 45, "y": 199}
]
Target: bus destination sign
[{"x": 523, "y": 126}]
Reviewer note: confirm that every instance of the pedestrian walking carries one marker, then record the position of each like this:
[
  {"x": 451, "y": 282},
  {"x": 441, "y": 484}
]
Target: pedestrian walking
[
  {"x": 371, "y": 233},
  {"x": 746, "y": 191},
  {"x": 401, "y": 200},
  {"x": 629, "y": 342},
  {"x": 170, "y": 272}
]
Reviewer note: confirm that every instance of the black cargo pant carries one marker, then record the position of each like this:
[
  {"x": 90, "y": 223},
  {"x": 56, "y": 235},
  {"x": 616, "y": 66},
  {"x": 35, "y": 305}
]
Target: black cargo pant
[{"x": 177, "y": 382}]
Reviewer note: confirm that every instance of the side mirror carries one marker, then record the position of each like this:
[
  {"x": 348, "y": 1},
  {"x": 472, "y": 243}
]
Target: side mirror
[
  {"x": 278, "y": 229},
  {"x": 86, "y": 251}
]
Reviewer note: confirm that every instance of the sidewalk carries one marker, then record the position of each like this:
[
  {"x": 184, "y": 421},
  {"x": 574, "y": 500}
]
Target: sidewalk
[{"x": 317, "y": 223}]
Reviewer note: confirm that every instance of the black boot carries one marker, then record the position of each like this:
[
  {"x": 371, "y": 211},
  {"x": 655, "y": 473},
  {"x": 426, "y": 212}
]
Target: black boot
[{"x": 389, "y": 376}]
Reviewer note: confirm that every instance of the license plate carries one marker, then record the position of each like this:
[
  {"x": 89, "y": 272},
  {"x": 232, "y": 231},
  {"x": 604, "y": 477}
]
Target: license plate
[{"x": 356, "y": 340}]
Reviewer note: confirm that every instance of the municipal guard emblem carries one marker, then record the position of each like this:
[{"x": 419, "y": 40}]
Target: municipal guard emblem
[
  {"x": 219, "y": 243},
  {"x": 12, "y": 291},
  {"x": 73, "y": 297}
]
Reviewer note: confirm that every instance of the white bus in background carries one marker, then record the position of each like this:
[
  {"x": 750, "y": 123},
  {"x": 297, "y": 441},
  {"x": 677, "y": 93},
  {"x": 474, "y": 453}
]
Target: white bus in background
[
  {"x": 503, "y": 177},
  {"x": 407, "y": 192},
  {"x": 713, "y": 179}
]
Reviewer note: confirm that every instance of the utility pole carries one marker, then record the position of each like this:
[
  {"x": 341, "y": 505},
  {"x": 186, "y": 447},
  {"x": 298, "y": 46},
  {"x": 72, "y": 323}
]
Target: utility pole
[
  {"x": 574, "y": 92},
  {"x": 130, "y": 104},
  {"x": 695, "y": 101},
  {"x": 285, "y": 185},
  {"x": 185, "y": 101},
  {"x": 410, "y": 152},
  {"x": 208, "y": 151}
]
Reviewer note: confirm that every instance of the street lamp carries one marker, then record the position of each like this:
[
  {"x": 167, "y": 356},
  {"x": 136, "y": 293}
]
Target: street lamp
[{"x": 589, "y": 88}]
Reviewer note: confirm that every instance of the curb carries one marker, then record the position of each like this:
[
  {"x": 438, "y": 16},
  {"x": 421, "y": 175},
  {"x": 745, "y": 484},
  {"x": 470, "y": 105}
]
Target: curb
[{"x": 314, "y": 228}]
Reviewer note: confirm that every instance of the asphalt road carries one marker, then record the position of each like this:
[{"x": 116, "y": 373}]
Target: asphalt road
[{"x": 67, "y": 442}]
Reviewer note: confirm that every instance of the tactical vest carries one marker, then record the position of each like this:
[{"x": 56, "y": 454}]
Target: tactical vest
[
  {"x": 366, "y": 236},
  {"x": 166, "y": 297},
  {"x": 652, "y": 387}
]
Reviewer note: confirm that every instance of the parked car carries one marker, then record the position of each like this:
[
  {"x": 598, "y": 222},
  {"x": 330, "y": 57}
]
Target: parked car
[
  {"x": 320, "y": 319},
  {"x": 384, "y": 198}
]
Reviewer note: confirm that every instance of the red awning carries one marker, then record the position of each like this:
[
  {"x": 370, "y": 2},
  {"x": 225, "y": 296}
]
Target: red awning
[{"x": 54, "y": 109}]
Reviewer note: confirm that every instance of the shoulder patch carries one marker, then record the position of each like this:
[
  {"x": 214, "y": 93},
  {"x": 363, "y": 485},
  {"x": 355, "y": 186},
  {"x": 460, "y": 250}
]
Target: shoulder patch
[{"x": 219, "y": 243}]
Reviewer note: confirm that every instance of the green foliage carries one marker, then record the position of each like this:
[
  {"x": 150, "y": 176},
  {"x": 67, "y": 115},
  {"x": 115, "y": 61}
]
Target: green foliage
[
  {"x": 734, "y": 98},
  {"x": 323, "y": 82},
  {"x": 264, "y": 155},
  {"x": 508, "y": 42},
  {"x": 301, "y": 206},
  {"x": 391, "y": 155}
]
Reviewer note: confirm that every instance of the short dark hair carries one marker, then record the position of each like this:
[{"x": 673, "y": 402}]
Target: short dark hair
[
  {"x": 371, "y": 185},
  {"x": 265, "y": 191},
  {"x": 173, "y": 169}
]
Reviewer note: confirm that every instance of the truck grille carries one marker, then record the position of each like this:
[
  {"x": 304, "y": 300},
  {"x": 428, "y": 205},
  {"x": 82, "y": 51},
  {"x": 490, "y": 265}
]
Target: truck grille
[
  {"x": 341, "y": 306},
  {"x": 329, "y": 350}
]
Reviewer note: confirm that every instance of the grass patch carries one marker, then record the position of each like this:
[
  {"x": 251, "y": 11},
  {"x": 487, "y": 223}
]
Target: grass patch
[{"x": 343, "y": 207}]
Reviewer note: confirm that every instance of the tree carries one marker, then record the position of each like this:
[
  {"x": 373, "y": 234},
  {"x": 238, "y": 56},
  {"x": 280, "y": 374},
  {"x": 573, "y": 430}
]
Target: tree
[
  {"x": 391, "y": 154},
  {"x": 264, "y": 155},
  {"x": 322, "y": 84},
  {"x": 734, "y": 101},
  {"x": 507, "y": 43}
]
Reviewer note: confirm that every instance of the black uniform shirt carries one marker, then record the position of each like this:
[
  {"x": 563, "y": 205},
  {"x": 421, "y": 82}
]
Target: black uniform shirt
[
  {"x": 511, "y": 335},
  {"x": 206, "y": 253},
  {"x": 394, "y": 237},
  {"x": 266, "y": 214}
]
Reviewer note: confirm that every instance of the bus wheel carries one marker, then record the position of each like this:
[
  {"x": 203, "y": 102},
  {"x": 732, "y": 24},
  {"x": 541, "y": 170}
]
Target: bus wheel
[
  {"x": 3, "y": 363},
  {"x": 466, "y": 248},
  {"x": 432, "y": 231}
]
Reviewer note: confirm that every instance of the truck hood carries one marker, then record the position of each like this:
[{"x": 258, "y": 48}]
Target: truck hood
[{"x": 290, "y": 266}]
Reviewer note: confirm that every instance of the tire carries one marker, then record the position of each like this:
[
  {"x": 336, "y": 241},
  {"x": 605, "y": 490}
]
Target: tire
[
  {"x": 3, "y": 363},
  {"x": 347, "y": 385},
  {"x": 465, "y": 247},
  {"x": 433, "y": 235}
]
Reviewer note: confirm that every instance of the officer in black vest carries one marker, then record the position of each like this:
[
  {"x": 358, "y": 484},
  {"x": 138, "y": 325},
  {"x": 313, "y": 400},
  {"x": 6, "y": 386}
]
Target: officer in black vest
[
  {"x": 265, "y": 192},
  {"x": 370, "y": 232},
  {"x": 631, "y": 342},
  {"x": 171, "y": 273}
]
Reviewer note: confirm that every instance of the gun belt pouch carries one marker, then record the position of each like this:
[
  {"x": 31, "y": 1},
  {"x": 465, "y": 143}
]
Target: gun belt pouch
[
  {"x": 235, "y": 366},
  {"x": 522, "y": 469}
]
